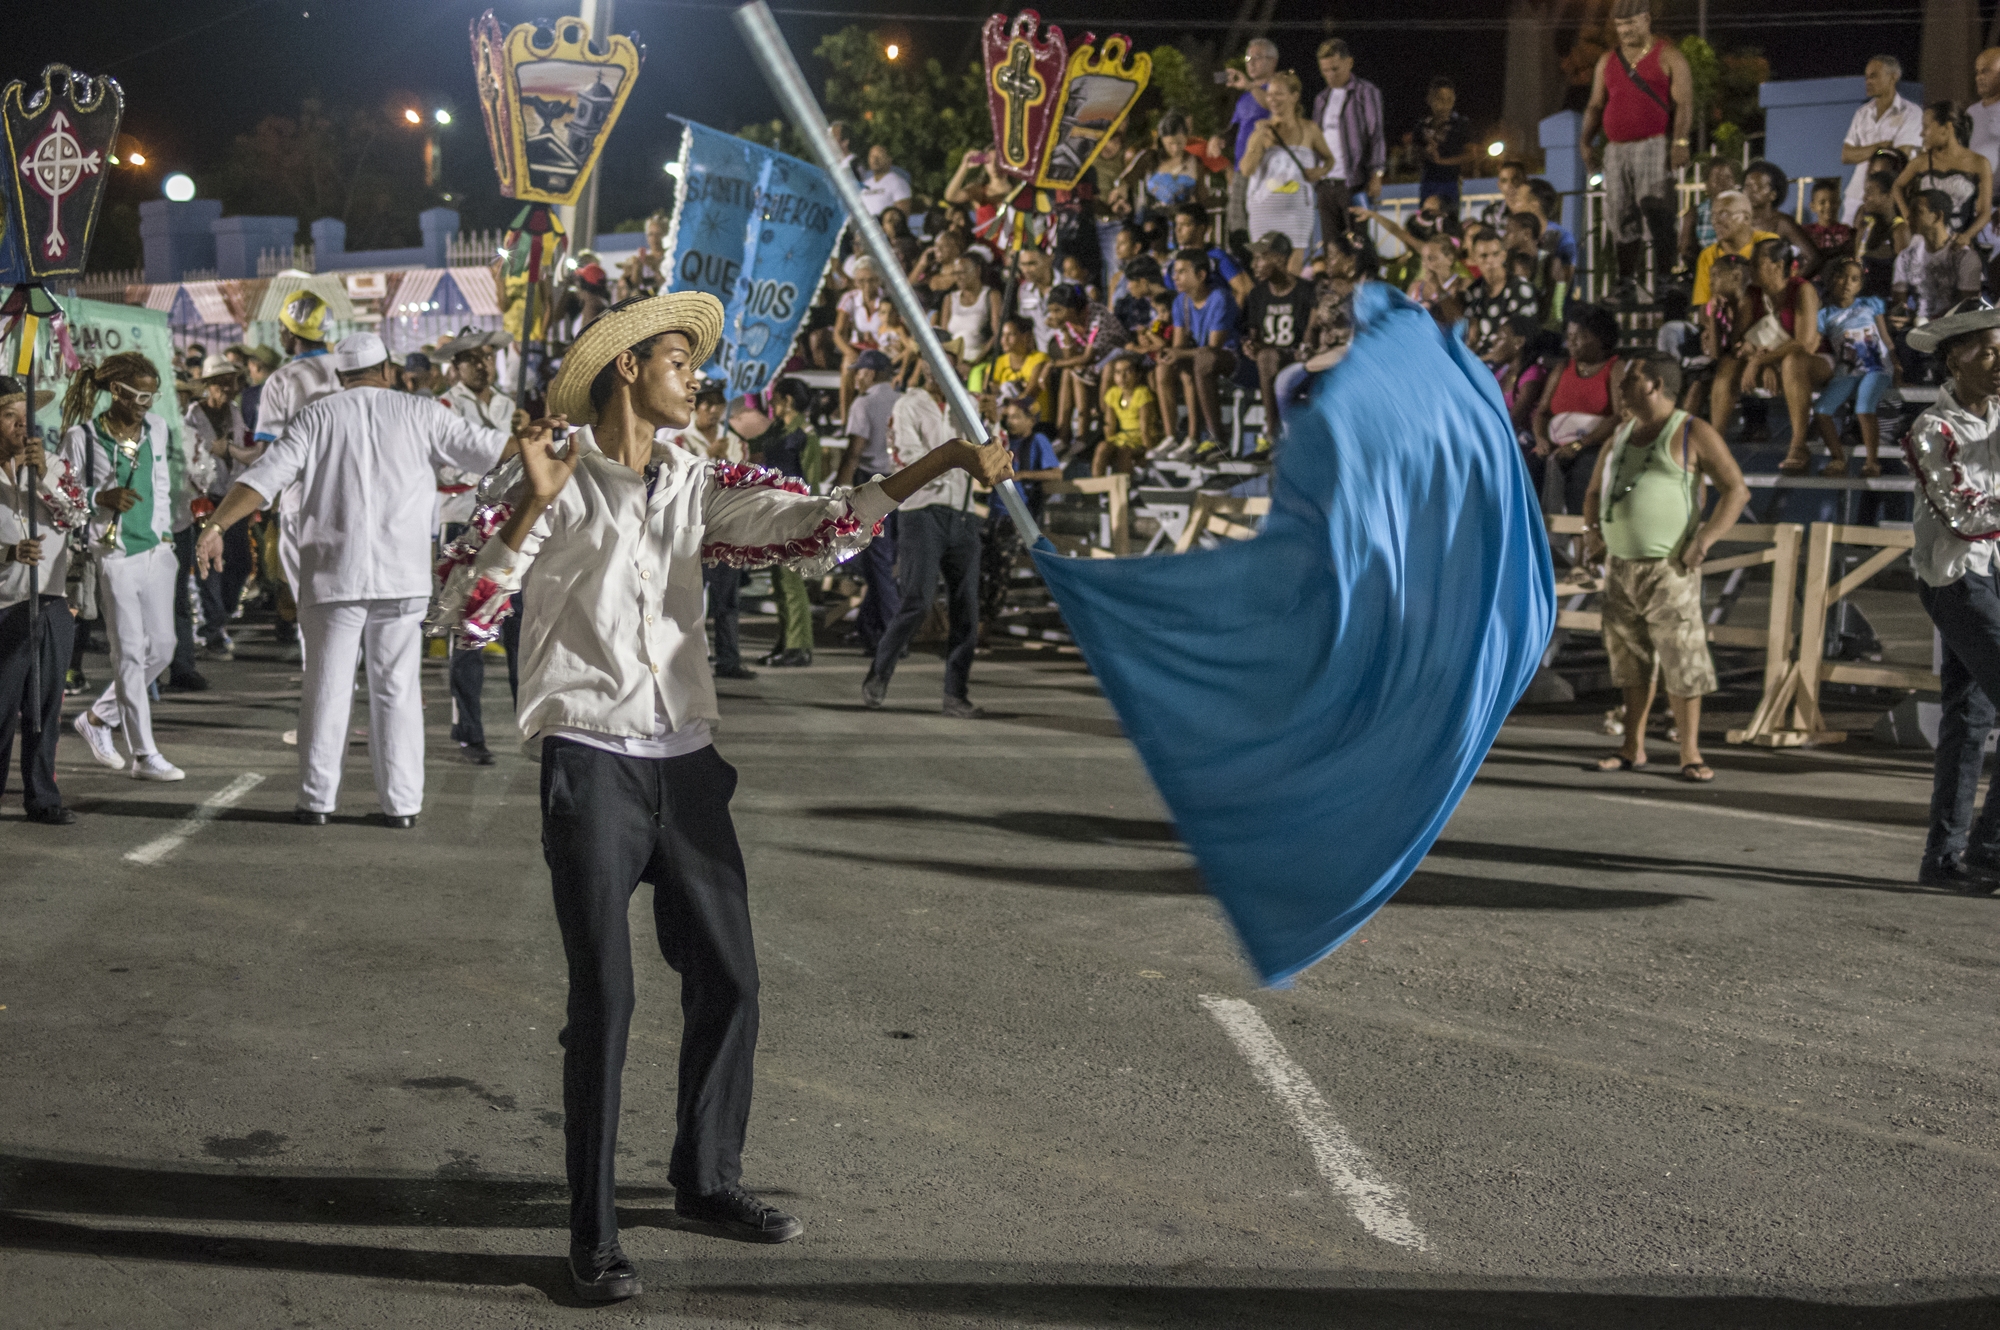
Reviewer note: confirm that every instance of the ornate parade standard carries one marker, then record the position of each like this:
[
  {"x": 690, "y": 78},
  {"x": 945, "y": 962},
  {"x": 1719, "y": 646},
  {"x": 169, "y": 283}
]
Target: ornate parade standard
[
  {"x": 1052, "y": 108},
  {"x": 59, "y": 142},
  {"x": 549, "y": 95}
]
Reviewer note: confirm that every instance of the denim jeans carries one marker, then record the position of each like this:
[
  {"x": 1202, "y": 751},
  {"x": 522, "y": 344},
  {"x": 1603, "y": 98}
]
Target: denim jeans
[
  {"x": 935, "y": 542},
  {"x": 1967, "y": 615}
]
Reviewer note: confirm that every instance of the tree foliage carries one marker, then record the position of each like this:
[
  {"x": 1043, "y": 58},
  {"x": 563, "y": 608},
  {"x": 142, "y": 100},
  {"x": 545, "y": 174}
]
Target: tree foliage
[{"x": 358, "y": 166}]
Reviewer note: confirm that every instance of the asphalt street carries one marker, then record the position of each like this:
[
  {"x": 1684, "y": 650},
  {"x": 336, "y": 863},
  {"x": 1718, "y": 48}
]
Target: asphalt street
[{"x": 1626, "y": 1052}]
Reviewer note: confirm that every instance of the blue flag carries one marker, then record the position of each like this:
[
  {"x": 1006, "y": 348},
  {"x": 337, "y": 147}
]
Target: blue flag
[
  {"x": 1313, "y": 703},
  {"x": 755, "y": 229}
]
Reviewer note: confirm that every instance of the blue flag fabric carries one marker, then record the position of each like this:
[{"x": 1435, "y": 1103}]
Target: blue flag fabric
[
  {"x": 755, "y": 229},
  {"x": 1313, "y": 703}
]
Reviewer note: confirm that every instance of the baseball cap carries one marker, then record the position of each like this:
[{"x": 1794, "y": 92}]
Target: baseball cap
[
  {"x": 1272, "y": 242},
  {"x": 358, "y": 351},
  {"x": 875, "y": 360}
]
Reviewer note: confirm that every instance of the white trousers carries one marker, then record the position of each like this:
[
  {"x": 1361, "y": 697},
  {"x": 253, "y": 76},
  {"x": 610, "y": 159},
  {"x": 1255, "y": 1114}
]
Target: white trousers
[
  {"x": 135, "y": 594},
  {"x": 388, "y": 634}
]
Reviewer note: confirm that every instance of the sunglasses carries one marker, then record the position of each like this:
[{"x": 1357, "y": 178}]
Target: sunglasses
[{"x": 132, "y": 395}]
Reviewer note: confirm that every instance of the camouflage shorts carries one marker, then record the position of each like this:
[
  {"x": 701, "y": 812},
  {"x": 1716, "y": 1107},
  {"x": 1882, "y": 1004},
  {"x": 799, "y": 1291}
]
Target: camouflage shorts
[{"x": 1652, "y": 610}]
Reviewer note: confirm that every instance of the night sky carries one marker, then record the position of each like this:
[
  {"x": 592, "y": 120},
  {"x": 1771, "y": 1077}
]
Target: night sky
[{"x": 190, "y": 88}]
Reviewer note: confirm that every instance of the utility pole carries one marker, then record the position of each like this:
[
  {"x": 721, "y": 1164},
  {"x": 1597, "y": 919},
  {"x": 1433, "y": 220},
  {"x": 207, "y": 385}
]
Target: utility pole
[{"x": 582, "y": 222}]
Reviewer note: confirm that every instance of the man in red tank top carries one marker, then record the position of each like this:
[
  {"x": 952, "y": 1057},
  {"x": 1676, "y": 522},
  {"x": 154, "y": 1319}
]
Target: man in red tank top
[{"x": 1642, "y": 91}]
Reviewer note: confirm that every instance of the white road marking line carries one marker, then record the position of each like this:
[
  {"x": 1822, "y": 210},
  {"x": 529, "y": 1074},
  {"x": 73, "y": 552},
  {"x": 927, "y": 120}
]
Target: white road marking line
[
  {"x": 205, "y": 812},
  {"x": 1374, "y": 1201},
  {"x": 1812, "y": 823}
]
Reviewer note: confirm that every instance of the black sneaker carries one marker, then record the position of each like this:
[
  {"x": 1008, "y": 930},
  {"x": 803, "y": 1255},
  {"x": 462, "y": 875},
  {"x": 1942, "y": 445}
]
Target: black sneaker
[
  {"x": 191, "y": 682},
  {"x": 479, "y": 755},
  {"x": 735, "y": 1213},
  {"x": 873, "y": 692},
  {"x": 602, "y": 1274},
  {"x": 736, "y": 671},
  {"x": 1956, "y": 874},
  {"x": 960, "y": 708}
]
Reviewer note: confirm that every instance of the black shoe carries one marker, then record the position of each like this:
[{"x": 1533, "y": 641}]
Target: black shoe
[
  {"x": 873, "y": 692},
  {"x": 52, "y": 817},
  {"x": 396, "y": 821},
  {"x": 735, "y": 1213},
  {"x": 307, "y": 817},
  {"x": 602, "y": 1274},
  {"x": 960, "y": 708},
  {"x": 477, "y": 754},
  {"x": 736, "y": 671},
  {"x": 795, "y": 658},
  {"x": 1956, "y": 874},
  {"x": 191, "y": 682}
]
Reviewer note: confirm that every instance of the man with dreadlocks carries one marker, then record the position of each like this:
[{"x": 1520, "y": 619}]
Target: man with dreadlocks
[{"x": 120, "y": 455}]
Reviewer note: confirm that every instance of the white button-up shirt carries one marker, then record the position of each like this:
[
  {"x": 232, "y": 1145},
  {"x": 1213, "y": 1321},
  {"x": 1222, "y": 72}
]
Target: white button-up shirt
[
  {"x": 365, "y": 462},
  {"x": 610, "y": 583},
  {"x": 292, "y": 387},
  {"x": 916, "y": 426},
  {"x": 1902, "y": 124},
  {"x": 496, "y": 412},
  {"x": 60, "y": 509},
  {"x": 1956, "y": 457}
]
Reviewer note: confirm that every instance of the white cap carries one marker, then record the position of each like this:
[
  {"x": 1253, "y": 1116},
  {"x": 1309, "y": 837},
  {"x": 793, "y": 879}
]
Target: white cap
[{"x": 356, "y": 351}]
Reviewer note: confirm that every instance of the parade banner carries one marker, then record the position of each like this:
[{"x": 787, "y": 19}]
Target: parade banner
[
  {"x": 549, "y": 96},
  {"x": 756, "y": 229},
  {"x": 93, "y": 330},
  {"x": 1024, "y": 75},
  {"x": 1098, "y": 92},
  {"x": 59, "y": 141}
]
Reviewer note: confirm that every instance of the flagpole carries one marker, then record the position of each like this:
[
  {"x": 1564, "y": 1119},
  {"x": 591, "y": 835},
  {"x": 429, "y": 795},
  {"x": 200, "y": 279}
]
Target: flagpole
[
  {"x": 781, "y": 71},
  {"x": 30, "y": 327}
]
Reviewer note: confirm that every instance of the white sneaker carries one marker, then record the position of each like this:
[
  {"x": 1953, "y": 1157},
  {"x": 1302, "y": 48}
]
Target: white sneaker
[
  {"x": 154, "y": 767},
  {"x": 291, "y": 738},
  {"x": 103, "y": 746}
]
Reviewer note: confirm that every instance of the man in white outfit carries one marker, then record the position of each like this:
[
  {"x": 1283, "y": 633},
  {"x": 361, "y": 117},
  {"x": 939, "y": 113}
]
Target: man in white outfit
[
  {"x": 294, "y": 385},
  {"x": 364, "y": 460}
]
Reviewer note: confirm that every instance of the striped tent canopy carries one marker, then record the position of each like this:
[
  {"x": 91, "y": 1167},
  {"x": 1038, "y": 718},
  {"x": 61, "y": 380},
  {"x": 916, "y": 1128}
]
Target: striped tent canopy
[
  {"x": 432, "y": 303},
  {"x": 329, "y": 286}
]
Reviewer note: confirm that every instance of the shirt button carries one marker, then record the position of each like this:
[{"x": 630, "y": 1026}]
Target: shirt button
[
  {"x": 645, "y": 576},
  {"x": 656, "y": 669},
  {"x": 649, "y": 618}
]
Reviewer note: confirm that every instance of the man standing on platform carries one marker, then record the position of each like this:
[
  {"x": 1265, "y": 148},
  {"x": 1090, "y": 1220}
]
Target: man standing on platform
[
  {"x": 475, "y": 400},
  {"x": 1886, "y": 120},
  {"x": 364, "y": 461},
  {"x": 1348, "y": 111},
  {"x": 1642, "y": 92},
  {"x": 1954, "y": 451}
]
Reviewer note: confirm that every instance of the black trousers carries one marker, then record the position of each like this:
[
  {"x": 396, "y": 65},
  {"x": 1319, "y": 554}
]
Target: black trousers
[
  {"x": 931, "y": 543},
  {"x": 468, "y": 681},
  {"x": 724, "y": 586},
  {"x": 877, "y": 562},
  {"x": 39, "y": 723},
  {"x": 222, "y": 592},
  {"x": 1967, "y": 615},
  {"x": 610, "y": 822},
  {"x": 183, "y": 663}
]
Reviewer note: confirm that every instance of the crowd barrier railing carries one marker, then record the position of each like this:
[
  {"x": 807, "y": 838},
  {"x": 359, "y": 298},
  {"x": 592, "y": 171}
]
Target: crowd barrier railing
[{"x": 1789, "y": 714}]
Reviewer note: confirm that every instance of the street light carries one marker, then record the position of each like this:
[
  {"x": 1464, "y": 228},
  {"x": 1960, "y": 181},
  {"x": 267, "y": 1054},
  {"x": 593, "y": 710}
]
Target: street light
[
  {"x": 1495, "y": 148},
  {"x": 893, "y": 51},
  {"x": 178, "y": 187},
  {"x": 412, "y": 116},
  {"x": 442, "y": 116},
  {"x": 674, "y": 169}
]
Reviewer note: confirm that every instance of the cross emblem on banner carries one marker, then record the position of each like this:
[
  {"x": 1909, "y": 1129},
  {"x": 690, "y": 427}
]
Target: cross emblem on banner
[
  {"x": 54, "y": 166},
  {"x": 1022, "y": 87}
]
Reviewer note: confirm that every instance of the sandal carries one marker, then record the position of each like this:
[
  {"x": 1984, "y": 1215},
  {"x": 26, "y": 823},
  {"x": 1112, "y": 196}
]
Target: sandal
[
  {"x": 1871, "y": 468},
  {"x": 1698, "y": 772},
  {"x": 1795, "y": 464},
  {"x": 1835, "y": 468},
  {"x": 1615, "y": 762}
]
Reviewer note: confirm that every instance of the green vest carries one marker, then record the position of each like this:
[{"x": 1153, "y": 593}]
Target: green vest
[
  {"x": 1647, "y": 507},
  {"x": 137, "y": 532}
]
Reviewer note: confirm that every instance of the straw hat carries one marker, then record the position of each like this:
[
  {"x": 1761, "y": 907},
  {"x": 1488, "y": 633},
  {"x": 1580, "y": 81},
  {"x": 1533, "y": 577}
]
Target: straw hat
[
  {"x": 694, "y": 313},
  {"x": 1973, "y": 315},
  {"x": 12, "y": 390},
  {"x": 216, "y": 367}
]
